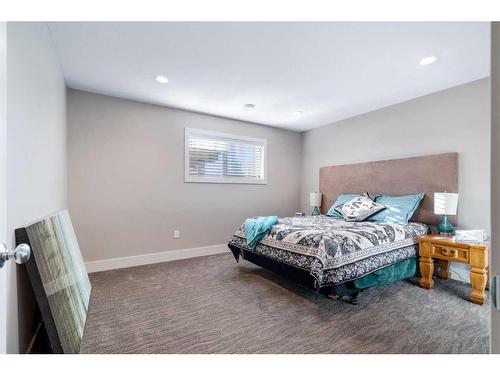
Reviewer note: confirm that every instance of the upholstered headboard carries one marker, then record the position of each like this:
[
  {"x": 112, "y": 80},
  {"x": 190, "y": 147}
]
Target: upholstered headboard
[{"x": 426, "y": 174}]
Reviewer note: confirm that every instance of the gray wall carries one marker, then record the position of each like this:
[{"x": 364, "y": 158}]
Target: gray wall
[
  {"x": 453, "y": 120},
  {"x": 126, "y": 179},
  {"x": 36, "y": 153},
  {"x": 495, "y": 175}
]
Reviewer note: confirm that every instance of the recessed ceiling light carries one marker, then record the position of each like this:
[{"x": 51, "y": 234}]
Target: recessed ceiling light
[
  {"x": 161, "y": 79},
  {"x": 428, "y": 60},
  {"x": 249, "y": 107},
  {"x": 297, "y": 113}
]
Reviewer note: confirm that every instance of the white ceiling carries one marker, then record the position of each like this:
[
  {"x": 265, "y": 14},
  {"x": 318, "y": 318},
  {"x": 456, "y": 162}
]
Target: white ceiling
[{"x": 328, "y": 71}]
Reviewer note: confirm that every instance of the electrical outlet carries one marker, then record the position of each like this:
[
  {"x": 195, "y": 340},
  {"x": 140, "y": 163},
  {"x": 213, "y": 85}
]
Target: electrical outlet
[{"x": 177, "y": 234}]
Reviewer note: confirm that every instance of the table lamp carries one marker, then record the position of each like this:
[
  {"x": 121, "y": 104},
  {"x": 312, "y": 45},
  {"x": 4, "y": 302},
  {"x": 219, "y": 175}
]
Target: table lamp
[
  {"x": 445, "y": 204},
  {"x": 315, "y": 201}
]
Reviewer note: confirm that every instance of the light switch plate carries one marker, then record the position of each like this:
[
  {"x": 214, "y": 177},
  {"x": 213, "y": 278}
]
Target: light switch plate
[{"x": 177, "y": 234}]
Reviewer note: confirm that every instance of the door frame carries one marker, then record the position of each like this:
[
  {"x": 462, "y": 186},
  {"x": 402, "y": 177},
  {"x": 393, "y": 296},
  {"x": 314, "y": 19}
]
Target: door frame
[
  {"x": 3, "y": 181},
  {"x": 495, "y": 177}
]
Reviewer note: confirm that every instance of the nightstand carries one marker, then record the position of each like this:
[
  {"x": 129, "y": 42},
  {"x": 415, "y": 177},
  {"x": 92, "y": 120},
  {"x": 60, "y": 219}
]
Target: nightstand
[{"x": 444, "y": 250}]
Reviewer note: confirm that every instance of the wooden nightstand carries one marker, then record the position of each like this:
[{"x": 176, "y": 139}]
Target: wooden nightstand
[{"x": 445, "y": 250}]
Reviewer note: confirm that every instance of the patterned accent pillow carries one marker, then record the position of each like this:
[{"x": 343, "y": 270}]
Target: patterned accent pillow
[{"x": 359, "y": 208}]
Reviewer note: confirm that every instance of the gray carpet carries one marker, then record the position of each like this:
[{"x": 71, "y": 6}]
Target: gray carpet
[{"x": 213, "y": 305}]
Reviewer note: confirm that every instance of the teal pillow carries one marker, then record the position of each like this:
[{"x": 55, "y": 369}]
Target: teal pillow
[
  {"x": 399, "y": 209},
  {"x": 341, "y": 199}
]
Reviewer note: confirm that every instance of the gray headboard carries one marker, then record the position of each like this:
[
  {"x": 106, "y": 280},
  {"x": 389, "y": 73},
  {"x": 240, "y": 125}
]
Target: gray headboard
[{"x": 426, "y": 174}]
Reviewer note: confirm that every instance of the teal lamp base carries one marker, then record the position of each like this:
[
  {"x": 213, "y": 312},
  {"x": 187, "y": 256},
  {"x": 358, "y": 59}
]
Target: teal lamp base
[
  {"x": 316, "y": 211},
  {"x": 445, "y": 227}
]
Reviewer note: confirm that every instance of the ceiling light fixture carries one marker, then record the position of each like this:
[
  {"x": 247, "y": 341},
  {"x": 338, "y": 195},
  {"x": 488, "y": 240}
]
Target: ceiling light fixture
[
  {"x": 161, "y": 79},
  {"x": 428, "y": 60},
  {"x": 249, "y": 107}
]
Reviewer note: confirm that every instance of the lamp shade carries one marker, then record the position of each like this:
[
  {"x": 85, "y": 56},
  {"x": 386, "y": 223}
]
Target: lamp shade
[
  {"x": 445, "y": 203},
  {"x": 315, "y": 199}
]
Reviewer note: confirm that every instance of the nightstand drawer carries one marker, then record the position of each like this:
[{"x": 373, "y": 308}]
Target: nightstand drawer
[{"x": 455, "y": 254}]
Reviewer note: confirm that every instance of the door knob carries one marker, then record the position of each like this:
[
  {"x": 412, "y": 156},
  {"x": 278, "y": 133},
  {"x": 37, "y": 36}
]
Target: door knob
[{"x": 20, "y": 255}]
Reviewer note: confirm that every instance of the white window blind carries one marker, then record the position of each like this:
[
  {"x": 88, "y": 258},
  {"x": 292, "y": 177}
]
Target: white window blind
[{"x": 224, "y": 158}]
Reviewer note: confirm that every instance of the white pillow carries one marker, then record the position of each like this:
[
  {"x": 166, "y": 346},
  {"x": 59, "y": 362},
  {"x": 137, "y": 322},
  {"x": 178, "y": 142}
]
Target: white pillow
[{"x": 359, "y": 208}]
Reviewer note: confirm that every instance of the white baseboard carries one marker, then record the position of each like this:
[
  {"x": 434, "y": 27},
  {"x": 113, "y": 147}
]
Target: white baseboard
[{"x": 164, "y": 256}]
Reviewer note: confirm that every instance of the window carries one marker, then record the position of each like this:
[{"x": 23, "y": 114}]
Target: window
[{"x": 224, "y": 158}]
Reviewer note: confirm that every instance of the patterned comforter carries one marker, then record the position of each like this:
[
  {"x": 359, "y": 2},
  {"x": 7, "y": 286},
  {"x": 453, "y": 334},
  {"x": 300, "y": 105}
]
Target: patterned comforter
[{"x": 336, "y": 251}]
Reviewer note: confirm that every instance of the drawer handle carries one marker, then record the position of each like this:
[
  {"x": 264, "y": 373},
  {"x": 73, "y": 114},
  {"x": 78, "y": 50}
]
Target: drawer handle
[{"x": 445, "y": 252}]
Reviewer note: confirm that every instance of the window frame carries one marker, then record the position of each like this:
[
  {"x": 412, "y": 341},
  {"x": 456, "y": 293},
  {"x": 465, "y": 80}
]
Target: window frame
[{"x": 224, "y": 179}]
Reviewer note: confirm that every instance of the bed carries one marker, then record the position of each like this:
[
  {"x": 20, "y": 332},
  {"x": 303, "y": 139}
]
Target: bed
[
  {"x": 341, "y": 258},
  {"x": 333, "y": 251}
]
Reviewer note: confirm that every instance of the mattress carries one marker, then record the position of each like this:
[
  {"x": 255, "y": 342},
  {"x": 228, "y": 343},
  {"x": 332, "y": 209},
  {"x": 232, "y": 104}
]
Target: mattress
[{"x": 336, "y": 251}]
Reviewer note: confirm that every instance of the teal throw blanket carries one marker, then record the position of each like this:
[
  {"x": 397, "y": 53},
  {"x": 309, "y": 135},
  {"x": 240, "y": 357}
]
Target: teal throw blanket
[{"x": 257, "y": 227}]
